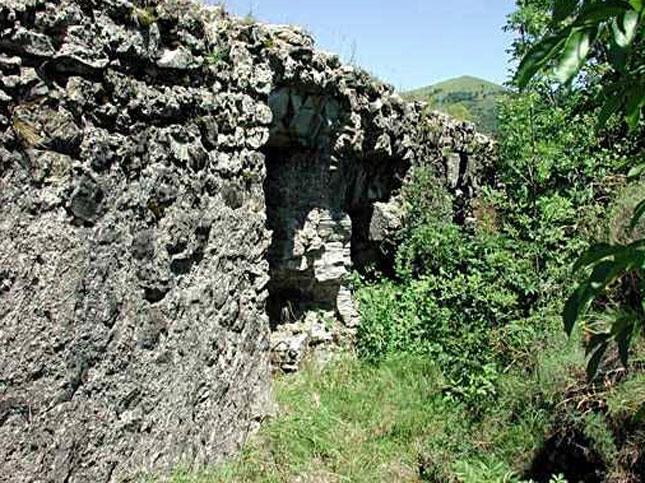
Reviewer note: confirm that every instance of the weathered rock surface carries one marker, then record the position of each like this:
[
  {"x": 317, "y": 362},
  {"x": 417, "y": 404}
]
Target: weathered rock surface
[{"x": 174, "y": 183}]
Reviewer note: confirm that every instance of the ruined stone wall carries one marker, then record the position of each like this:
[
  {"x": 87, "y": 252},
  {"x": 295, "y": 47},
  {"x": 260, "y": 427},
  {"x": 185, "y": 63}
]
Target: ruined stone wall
[
  {"x": 341, "y": 147},
  {"x": 175, "y": 183}
]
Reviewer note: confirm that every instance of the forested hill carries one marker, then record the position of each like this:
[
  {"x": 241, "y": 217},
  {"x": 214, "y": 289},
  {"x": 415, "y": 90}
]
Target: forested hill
[{"x": 466, "y": 98}]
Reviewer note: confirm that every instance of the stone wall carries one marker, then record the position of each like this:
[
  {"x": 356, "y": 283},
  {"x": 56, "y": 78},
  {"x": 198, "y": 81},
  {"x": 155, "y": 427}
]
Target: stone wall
[{"x": 174, "y": 184}]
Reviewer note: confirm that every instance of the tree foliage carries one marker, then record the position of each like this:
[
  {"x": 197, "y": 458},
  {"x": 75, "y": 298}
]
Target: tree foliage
[
  {"x": 482, "y": 299},
  {"x": 614, "y": 28}
]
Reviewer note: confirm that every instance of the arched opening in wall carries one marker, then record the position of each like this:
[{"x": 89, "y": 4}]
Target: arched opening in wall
[
  {"x": 320, "y": 211},
  {"x": 311, "y": 234}
]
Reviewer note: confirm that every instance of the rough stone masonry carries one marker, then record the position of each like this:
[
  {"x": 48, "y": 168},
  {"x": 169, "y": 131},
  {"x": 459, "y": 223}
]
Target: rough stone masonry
[{"x": 180, "y": 193}]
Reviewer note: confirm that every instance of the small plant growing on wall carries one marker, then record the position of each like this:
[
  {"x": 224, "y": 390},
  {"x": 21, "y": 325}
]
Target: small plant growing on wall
[
  {"x": 216, "y": 56},
  {"x": 144, "y": 17}
]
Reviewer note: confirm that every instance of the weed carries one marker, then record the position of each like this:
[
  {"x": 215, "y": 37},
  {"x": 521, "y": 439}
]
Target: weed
[
  {"x": 249, "y": 18},
  {"x": 626, "y": 401},
  {"x": 597, "y": 429},
  {"x": 144, "y": 16},
  {"x": 216, "y": 56},
  {"x": 347, "y": 421},
  {"x": 250, "y": 176}
]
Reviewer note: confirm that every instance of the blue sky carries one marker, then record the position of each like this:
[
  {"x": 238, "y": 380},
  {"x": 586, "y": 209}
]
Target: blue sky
[{"x": 408, "y": 43}]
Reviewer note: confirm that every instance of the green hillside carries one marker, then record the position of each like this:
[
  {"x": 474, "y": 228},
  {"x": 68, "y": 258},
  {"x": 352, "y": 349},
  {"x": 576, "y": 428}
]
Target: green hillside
[{"x": 466, "y": 98}]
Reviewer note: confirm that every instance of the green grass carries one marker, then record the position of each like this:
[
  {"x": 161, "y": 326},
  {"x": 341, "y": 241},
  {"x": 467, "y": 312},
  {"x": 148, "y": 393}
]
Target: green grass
[
  {"x": 353, "y": 421},
  {"x": 626, "y": 399},
  {"x": 465, "y": 98},
  {"x": 346, "y": 422}
]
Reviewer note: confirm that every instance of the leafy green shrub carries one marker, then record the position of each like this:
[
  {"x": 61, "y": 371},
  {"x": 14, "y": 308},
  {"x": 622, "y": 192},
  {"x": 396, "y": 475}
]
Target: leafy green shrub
[
  {"x": 598, "y": 46},
  {"x": 455, "y": 289},
  {"x": 426, "y": 199},
  {"x": 479, "y": 300},
  {"x": 622, "y": 212},
  {"x": 557, "y": 178}
]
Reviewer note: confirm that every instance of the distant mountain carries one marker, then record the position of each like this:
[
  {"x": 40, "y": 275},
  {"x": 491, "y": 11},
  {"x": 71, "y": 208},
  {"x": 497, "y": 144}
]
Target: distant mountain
[{"x": 466, "y": 98}]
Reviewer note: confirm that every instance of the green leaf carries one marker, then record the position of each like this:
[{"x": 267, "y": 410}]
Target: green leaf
[
  {"x": 636, "y": 171},
  {"x": 594, "y": 361},
  {"x": 630, "y": 257},
  {"x": 594, "y": 254},
  {"x": 593, "y": 14},
  {"x": 635, "y": 102},
  {"x": 596, "y": 340},
  {"x": 573, "y": 308},
  {"x": 625, "y": 27},
  {"x": 637, "y": 5},
  {"x": 603, "y": 274},
  {"x": 639, "y": 212},
  {"x": 575, "y": 52},
  {"x": 538, "y": 56},
  {"x": 637, "y": 259},
  {"x": 562, "y": 9},
  {"x": 623, "y": 340},
  {"x": 618, "y": 57},
  {"x": 633, "y": 118},
  {"x": 622, "y": 330}
]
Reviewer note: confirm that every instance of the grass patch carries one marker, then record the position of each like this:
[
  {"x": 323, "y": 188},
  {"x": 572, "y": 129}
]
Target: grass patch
[
  {"x": 395, "y": 421},
  {"x": 349, "y": 421}
]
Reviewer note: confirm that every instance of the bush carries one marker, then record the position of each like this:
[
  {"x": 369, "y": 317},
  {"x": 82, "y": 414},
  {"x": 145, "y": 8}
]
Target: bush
[
  {"x": 454, "y": 291},
  {"x": 478, "y": 300}
]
